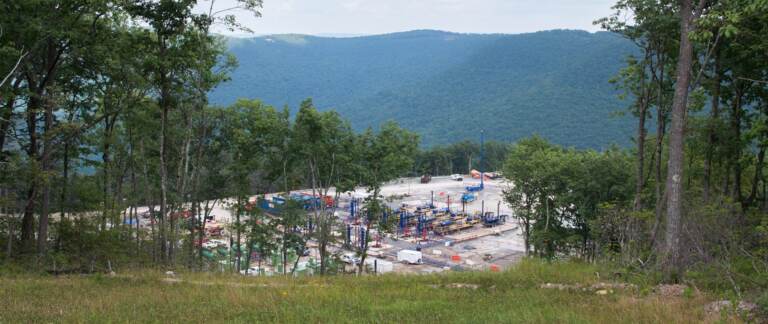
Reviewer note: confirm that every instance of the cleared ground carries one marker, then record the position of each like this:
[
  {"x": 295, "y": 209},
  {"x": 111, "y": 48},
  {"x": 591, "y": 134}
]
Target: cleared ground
[{"x": 479, "y": 248}]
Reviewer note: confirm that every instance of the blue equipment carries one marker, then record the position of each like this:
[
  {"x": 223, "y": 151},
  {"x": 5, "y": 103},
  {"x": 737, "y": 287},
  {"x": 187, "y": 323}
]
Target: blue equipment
[{"x": 482, "y": 175}]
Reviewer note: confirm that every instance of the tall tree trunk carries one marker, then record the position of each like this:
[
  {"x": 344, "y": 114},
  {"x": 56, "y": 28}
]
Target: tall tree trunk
[
  {"x": 712, "y": 131},
  {"x": 42, "y": 233},
  {"x": 149, "y": 199},
  {"x": 661, "y": 128},
  {"x": 674, "y": 185},
  {"x": 163, "y": 170},
  {"x": 747, "y": 202},
  {"x": 28, "y": 220},
  {"x": 107, "y": 161},
  {"x": 641, "y": 132}
]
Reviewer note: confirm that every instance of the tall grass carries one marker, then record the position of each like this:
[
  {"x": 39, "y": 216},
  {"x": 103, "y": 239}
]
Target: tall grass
[{"x": 510, "y": 296}]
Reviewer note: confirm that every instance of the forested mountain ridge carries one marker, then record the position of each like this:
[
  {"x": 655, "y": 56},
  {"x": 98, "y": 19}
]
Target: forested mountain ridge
[{"x": 446, "y": 86}]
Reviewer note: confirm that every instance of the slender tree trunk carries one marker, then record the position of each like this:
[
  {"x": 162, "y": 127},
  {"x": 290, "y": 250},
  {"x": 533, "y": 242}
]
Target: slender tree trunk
[
  {"x": 736, "y": 143},
  {"x": 163, "y": 178},
  {"x": 641, "y": 132},
  {"x": 237, "y": 224},
  {"x": 712, "y": 131},
  {"x": 42, "y": 236},
  {"x": 106, "y": 160},
  {"x": 197, "y": 215},
  {"x": 661, "y": 120},
  {"x": 150, "y": 201},
  {"x": 675, "y": 172},
  {"x": 747, "y": 202},
  {"x": 65, "y": 182},
  {"x": 28, "y": 220}
]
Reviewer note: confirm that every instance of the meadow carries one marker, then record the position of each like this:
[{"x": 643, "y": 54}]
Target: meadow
[{"x": 516, "y": 295}]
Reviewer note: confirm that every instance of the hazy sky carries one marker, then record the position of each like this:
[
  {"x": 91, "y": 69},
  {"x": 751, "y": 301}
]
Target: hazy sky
[{"x": 385, "y": 16}]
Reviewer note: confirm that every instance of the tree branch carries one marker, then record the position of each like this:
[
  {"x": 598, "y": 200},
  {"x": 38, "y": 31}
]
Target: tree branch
[
  {"x": 753, "y": 80},
  {"x": 13, "y": 70}
]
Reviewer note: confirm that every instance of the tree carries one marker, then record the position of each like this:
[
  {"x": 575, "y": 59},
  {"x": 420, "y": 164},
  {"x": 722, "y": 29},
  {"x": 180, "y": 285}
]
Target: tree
[
  {"x": 261, "y": 237},
  {"x": 651, "y": 29},
  {"x": 524, "y": 193},
  {"x": 674, "y": 183},
  {"x": 253, "y": 135},
  {"x": 556, "y": 194},
  {"x": 383, "y": 157},
  {"x": 324, "y": 148},
  {"x": 291, "y": 238}
]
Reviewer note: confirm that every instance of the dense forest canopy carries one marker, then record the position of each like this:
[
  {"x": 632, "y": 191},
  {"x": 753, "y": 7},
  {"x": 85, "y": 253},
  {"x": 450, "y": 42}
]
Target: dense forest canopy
[{"x": 447, "y": 86}]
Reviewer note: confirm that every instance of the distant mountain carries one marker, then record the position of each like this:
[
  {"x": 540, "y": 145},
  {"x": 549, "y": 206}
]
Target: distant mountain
[{"x": 446, "y": 86}]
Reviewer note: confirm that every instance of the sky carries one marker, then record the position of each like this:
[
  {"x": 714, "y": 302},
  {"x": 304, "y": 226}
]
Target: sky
[{"x": 368, "y": 17}]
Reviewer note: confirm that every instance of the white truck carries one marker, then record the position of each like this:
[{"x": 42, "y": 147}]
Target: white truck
[{"x": 409, "y": 256}]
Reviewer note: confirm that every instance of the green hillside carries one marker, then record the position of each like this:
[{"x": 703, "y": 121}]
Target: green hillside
[{"x": 446, "y": 86}]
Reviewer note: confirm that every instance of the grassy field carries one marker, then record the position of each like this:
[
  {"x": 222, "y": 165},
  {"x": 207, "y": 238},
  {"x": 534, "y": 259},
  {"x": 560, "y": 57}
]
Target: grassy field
[{"x": 471, "y": 297}]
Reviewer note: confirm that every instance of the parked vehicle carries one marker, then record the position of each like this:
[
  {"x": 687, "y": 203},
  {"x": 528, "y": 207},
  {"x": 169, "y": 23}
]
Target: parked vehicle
[
  {"x": 457, "y": 177},
  {"x": 409, "y": 256},
  {"x": 350, "y": 258},
  {"x": 495, "y": 175},
  {"x": 426, "y": 178}
]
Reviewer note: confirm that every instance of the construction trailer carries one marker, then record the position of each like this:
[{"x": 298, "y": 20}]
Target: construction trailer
[{"x": 409, "y": 256}]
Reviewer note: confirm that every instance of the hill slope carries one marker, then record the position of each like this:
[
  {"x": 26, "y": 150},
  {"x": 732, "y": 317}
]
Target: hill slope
[
  {"x": 513, "y": 296},
  {"x": 446, "y": 86}
]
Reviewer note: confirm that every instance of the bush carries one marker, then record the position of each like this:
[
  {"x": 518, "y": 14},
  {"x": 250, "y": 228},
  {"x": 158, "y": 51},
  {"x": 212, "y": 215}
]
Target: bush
[{"x": 762, "y": 305}]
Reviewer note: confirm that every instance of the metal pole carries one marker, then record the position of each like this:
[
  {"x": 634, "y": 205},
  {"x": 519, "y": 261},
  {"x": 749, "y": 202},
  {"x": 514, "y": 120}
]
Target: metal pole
[{"x": 482, "y": 144}]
